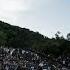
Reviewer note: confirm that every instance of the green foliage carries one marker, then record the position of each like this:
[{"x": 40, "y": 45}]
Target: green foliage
[
  {"x": 68, "y": 36},
  {"x": 14, "y": 36},
  {"x": 3, "y": 38}
]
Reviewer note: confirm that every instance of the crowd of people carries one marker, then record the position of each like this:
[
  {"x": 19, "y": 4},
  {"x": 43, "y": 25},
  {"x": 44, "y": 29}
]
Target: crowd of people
[{"x": 24, "y": 59}]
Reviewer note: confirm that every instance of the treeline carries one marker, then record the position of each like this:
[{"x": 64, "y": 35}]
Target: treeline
[{"x": 14, "y": 36}]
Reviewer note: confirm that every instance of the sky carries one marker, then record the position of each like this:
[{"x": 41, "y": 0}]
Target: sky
[{"x": 44, "y": 16}]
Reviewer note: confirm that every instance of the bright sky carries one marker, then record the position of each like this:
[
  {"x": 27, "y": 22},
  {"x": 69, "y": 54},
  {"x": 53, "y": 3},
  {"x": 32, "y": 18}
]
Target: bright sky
[{"x": 44, "y": 16}]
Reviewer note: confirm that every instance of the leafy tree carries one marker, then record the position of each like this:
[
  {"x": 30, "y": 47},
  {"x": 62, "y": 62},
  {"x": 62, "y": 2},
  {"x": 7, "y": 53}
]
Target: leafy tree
[
  {"x": 3, "y": 38},
  {"x": 14, "y": 36},
  {"x": 68, "y": 36}
]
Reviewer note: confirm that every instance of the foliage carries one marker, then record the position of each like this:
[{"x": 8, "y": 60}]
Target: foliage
[{"x": 14, "y": 36}]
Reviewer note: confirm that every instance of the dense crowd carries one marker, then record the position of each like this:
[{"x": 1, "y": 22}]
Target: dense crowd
[{"x": 24, "y": 59}]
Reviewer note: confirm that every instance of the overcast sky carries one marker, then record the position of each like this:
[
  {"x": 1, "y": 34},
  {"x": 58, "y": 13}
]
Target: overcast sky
[{"x": 44, "y": 16}]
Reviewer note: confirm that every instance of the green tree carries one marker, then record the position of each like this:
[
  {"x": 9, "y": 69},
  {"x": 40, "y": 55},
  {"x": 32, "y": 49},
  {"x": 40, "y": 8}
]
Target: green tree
[
  {"x": 3, "y": 38},
  {"x": 68, "y": 36}
]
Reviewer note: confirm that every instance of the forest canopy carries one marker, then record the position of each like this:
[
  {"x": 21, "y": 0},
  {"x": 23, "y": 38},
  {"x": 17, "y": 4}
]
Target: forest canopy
[{"x": 17, "y": 37}]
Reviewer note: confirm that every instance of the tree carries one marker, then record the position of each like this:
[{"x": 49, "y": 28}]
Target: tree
[
  {"x": 68, "y": 36},
  {"x": 3, "y": 38},
  {"x": 57, "y": 35}
]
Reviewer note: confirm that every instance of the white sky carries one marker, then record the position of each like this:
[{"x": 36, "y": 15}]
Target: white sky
[{"x": 45, "y": 16}]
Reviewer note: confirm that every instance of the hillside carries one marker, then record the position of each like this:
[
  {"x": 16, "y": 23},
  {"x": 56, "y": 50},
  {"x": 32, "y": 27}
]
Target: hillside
[{"x": 17, "y": 37}]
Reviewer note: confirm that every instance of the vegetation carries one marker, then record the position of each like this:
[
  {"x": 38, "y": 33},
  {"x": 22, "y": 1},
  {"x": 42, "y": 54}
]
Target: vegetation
[{"x": 14, "y": 36}]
